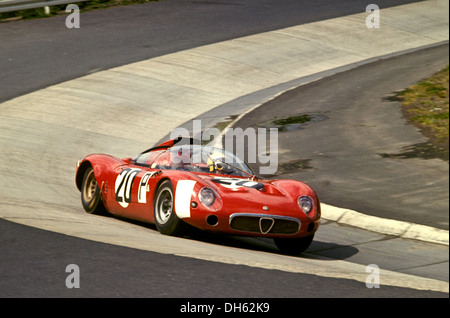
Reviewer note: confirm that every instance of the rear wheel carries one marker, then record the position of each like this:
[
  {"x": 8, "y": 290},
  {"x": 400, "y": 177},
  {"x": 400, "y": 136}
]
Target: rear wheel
[
  {"x": 90, "y": 193},
  {"x": 166, "y": 220},
  {"x": 293, "y": 246}
]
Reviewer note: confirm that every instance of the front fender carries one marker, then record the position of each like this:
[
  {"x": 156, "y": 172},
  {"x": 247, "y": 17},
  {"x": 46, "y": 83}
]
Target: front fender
[{"x": 295, "y": 189}]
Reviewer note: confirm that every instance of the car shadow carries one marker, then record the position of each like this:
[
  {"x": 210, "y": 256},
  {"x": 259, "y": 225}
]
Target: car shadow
[
  {"x": 330, "y": 251},
  {"x": 318, "y": 249}
]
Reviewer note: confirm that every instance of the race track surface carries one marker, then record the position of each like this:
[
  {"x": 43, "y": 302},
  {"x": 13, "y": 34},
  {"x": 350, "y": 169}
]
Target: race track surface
[{"x": 84, "y": 97}]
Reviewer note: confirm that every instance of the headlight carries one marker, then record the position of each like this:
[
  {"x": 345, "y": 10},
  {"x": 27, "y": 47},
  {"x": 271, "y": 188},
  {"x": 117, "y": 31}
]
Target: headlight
[
  {"x": 306, "y": 204},
  {"x": 207, "y": 196}
]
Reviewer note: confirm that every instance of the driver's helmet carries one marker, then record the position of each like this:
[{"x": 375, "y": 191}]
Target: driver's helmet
[{"x": 214, "y": 157}]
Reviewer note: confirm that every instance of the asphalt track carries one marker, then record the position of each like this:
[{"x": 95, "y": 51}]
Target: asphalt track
[
  {"x": 34, "y": 265},
  {"x": 24, "y": 284}
]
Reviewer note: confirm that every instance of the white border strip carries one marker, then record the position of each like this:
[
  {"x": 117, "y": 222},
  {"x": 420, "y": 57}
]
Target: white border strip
[
  {"x": 396, "y": 228},
  {"x": 183, "y": 198}
]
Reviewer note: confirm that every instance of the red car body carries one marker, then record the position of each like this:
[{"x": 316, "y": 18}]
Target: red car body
[{"x": 216, "y": 197}]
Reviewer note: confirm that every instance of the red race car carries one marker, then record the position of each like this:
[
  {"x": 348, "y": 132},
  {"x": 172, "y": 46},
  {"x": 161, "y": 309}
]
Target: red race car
[{"x": 177, "y": 185}]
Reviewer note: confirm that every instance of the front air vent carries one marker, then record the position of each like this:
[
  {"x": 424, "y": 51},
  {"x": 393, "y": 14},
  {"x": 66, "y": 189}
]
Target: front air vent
[{"x": 264, "y": 224}]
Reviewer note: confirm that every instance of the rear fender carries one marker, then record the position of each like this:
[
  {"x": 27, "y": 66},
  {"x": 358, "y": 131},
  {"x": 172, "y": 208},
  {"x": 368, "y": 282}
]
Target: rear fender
[
  {"x": 81, "y": 169},
  {"x": 102, "y": 165}
]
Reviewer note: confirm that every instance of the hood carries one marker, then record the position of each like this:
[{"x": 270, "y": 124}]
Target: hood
[
  {"x": 244, "y": 195},
  {"x": 282, "y": 191},
  {"x": 241, "y": 185}
]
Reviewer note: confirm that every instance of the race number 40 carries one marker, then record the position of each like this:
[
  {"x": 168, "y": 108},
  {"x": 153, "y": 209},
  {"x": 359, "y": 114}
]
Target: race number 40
[{"x": 124, "y": 185}]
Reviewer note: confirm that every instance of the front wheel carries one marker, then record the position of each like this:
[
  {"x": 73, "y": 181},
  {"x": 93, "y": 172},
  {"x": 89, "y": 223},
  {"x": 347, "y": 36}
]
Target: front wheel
[
  {"x": 293, "y": 246},
  {"x": 166, "y": 219}
]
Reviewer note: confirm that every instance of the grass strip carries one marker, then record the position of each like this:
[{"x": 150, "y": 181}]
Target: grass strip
[{"x": 425, "y": 105}]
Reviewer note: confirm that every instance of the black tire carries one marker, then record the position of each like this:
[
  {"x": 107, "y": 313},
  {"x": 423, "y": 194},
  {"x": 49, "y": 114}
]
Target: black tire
[
  {"x": 293, "y": 246},
  {"x": 91, "y": 197},
  {"x": 166, "y": 220}
]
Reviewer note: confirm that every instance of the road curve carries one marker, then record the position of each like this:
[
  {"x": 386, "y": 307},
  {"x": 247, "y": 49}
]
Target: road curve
[{"x": 129, "y": 107}]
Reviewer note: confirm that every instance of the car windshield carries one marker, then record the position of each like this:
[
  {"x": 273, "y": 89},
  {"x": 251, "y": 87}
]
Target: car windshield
[{"x": 196, "y": 158}]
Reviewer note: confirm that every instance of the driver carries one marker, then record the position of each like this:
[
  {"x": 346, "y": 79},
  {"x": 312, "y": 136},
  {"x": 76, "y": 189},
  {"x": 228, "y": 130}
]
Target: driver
[{"x": 216, "y": 162}]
